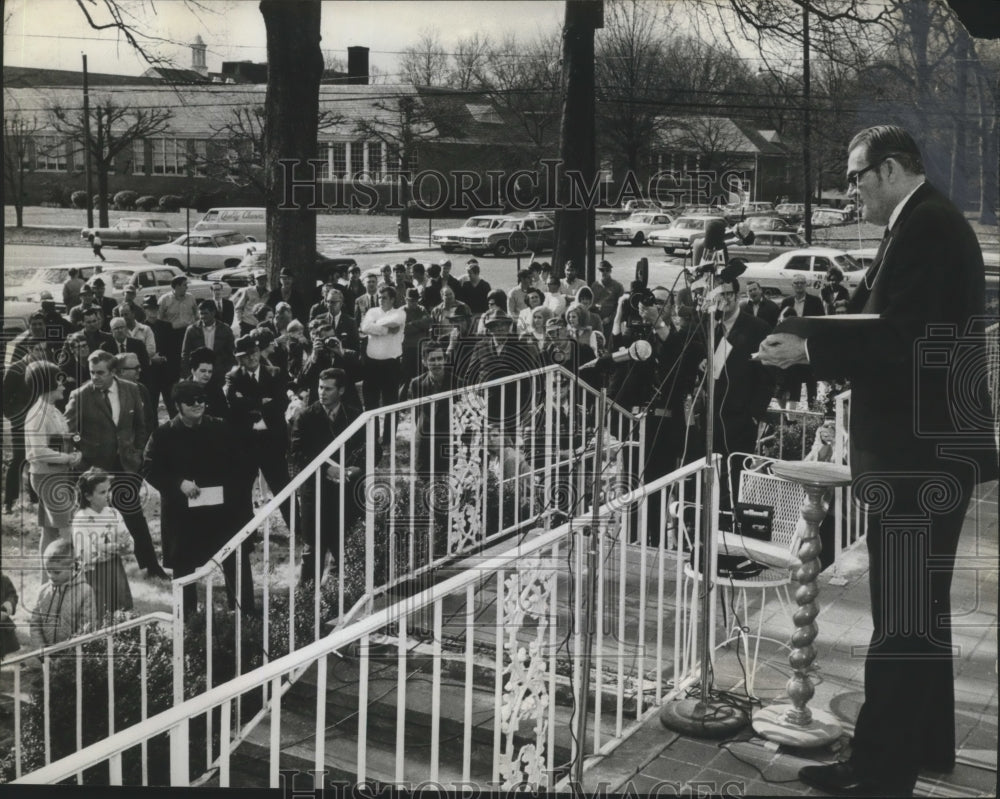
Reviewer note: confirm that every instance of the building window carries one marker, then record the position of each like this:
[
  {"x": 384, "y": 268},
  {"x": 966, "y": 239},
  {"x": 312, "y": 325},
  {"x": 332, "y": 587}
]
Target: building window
[
  {"x": 198, "y": 157},
  {"x": 139, "y": 157},
  {"x": 50, "y": 154},
  {"x": 169, "y": 156},
  {"x": 357, "y": 158},
  {"x": 338, "y": 160}
]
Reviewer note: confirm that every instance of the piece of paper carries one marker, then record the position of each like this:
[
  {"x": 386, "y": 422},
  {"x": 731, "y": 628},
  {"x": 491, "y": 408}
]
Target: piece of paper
[
  {"x": 209, "y": 495},
  {"x": 721, "y": 353}
]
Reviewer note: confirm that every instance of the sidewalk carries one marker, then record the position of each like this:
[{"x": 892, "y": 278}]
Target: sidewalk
[{"x": 657, "y": 761}]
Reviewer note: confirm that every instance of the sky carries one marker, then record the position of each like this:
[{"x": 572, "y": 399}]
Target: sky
[{"x": 54, "y": 33}]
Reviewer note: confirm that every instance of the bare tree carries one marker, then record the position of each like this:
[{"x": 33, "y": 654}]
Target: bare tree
[
  {"x": 426, "y": 63},
  {"x": 629, "y": 74},
  {"x": 469, "y": 61},
  {"x": 113, "y": 129},
  {"x": 524, "y": 80},
  {"x": 401, "y": 123},
  {"x": 18, "y": 134}
]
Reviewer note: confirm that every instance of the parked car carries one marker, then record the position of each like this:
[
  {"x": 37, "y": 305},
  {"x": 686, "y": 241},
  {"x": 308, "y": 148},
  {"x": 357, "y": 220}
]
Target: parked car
[
  {"x": 153, "y": 280},
  {"x": 830, "y": 217},
  {"x": 251, "y": 222},
  {"x": 864, "y": 255},
  {"x": 134, "y": 231},
  {"x": 766, "y": 222},
  {"x": 630, "y": 207},
  {"x": 767, "y": 245},
  {"x": 539, "y": 232},
  {"x": 48, "y": 278},
  {"x": 239, "y": 276},
  {"x": 792, "y": 213},
  {"x": 448, "y": 239},
  {"x": 636, "y": 228},
  {"x": 682, "y": 233},
  {"x": 202, "y": 252},
  {"x": 775, "y": 276},
  {"x": 736, "y": 211}
]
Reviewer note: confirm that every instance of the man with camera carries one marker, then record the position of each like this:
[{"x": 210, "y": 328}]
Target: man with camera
[{"x": 328, "y": 352}]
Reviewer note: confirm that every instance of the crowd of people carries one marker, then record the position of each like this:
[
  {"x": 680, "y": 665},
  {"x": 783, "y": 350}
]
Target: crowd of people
[{"x": 258, "y": 384}]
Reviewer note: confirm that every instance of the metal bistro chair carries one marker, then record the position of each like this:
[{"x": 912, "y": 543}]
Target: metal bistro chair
[{"x": 747, "y": 565}]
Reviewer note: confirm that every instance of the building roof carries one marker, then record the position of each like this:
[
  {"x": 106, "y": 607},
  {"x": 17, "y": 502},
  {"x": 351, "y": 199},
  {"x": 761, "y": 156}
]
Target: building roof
[
  {"x": 719, "y": 133},
  {"x": 35, "y": 77},
  {"x": 177, "y": 77},
  {"x": 200, "y": 111}
]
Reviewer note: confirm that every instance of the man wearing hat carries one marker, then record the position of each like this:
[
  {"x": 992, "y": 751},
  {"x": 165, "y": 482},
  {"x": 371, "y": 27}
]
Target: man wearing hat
[
  {"x": 206, "y": 332},
  {"x": 460, "y": 346},
  {"x": 289, "y": 291},
  {"x": 247, "y": 298},
  {"x": 500, "y": 353},
  {"x": 57, "y": 327},
  {"x": 415, "y": 332},
  {"x": 607, "y": 291},
  {"x": 196, "y": 456},
  {"x": 75, "y": 312},
  {"x": 106, "y": 304},
  {"x": 257, "y": 399}
]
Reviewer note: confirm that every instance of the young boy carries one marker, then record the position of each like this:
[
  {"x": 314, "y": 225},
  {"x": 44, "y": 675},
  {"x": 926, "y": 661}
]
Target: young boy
[{"x": 65, "y": 603}]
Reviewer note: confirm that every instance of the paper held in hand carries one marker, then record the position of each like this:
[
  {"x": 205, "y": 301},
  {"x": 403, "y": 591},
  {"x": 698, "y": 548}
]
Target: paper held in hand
[
  {"x": 207, "y": 496},
  {"x": 805, "y": 326}
]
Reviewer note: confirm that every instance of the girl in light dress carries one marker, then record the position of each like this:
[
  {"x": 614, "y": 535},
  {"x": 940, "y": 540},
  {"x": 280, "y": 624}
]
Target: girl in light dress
[{"x": 100, "y": 538}]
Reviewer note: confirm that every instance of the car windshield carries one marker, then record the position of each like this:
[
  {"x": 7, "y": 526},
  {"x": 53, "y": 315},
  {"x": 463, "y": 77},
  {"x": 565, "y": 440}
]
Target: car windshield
[
  {"x": 847, "y": 263},
  {"x": 690, "y": 223},
  {"x": 118, "y": 279},
  {"x": 230, "y": 238},
  {"x": 52, "y": 275},
  {"x": 480, "y": 221}
]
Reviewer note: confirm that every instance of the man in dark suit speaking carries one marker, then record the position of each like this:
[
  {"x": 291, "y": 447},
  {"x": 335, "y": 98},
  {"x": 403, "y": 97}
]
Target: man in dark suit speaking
[{"x": 921, "y": 437}]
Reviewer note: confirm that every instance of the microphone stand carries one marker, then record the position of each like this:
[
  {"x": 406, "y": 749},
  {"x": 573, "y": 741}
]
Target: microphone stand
[{"x": 701, "y": 717}]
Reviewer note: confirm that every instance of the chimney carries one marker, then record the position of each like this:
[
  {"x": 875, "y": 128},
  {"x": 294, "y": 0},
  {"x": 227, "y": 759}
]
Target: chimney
[
  {"x": 357, "y": 66},
  {"x": 198, "y": 64}
]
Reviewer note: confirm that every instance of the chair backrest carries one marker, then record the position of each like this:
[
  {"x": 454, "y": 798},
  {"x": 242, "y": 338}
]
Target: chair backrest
[{"x": 785, "y": 497}]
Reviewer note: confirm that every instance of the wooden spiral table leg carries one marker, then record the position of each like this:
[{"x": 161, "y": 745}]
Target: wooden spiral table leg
[{"x": 796, "y": 724}]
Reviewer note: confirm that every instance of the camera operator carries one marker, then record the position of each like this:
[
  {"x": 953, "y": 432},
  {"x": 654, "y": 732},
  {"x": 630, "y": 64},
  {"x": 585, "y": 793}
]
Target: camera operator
[{"x": 328, "y": 353}]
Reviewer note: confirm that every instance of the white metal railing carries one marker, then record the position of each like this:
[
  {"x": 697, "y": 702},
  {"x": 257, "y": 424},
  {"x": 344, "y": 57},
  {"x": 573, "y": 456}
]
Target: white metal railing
[
  {"x": 490, "y": 657},
  {"x": 510, "y": 460},
  {"x": 24, "y": 666}
]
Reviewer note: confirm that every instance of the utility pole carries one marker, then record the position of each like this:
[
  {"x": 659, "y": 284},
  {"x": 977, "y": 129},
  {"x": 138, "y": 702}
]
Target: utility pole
[
  {"x": 86, "y": 146},
  {"x": 806, "y": 123}
]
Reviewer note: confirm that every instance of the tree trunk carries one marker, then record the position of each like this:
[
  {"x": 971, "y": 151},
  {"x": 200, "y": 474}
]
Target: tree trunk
[
  {"x": 103, "y": 166},
  {"x": 403, "y": 230},
  {"x": 576, "y": 134},
  {"x": 19, "y": 210},
  {"x": 291, "y": 119}
]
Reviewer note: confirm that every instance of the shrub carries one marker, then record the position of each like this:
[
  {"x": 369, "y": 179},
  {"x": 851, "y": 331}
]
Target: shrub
[
  {"x": 58, "y": 196},
  {"x": 170, "y": 202},
  {"x": 146, "y": 203},
  {"x": 79, "y": 198},
  {"x": 125, "y": 200}
]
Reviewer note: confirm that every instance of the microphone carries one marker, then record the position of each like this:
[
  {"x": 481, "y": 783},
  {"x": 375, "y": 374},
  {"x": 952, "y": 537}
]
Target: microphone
[{"x": 637, "y": 351}]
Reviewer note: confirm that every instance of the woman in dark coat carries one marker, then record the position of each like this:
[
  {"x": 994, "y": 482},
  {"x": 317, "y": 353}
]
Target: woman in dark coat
[{"x": 188, "y": 460}]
